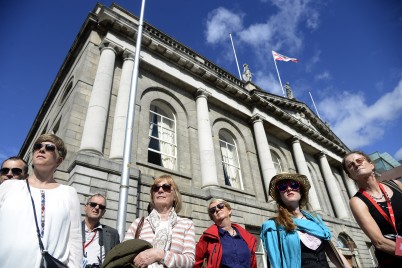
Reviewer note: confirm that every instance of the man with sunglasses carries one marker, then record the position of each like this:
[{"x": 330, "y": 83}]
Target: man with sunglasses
[
  {"x": 13, "y": 168},
  {"x": 98, "y": 239}
]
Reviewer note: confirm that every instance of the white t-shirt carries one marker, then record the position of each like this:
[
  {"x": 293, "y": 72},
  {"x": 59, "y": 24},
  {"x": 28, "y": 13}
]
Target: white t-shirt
[{"x": 60, "y": 224}]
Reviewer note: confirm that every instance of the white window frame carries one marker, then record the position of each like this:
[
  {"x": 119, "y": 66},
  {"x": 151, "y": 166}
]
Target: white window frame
[
  {"x": 227, "y": 161},
  {"x": 168, "y": 147}
]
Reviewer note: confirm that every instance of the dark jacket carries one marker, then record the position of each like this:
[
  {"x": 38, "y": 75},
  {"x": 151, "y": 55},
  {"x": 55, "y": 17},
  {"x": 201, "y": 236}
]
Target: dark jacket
[
  {"x": 209, "y": 246},
  {"x": 108, "y": 237}
]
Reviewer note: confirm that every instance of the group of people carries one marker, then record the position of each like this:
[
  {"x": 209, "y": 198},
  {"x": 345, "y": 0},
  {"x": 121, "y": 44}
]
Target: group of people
[{"x": 294, "y": 238}]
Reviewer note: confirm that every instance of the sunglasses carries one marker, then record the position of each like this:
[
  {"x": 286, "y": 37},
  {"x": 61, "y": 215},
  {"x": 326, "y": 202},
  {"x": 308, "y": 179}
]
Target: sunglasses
[
  {"x": 166, "y": 187},
  {"x": 283, "y": 186},
  {"x": 358, "y": 161},
  {"x": 93, "y": 205},
  {"x": 212, "y": 210},
  {"x": 48, "y": 147},
  {"x": 14, "y": 171}
]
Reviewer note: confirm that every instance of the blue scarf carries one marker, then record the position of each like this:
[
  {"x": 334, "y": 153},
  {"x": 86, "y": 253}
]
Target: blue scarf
[{"x": 290, "y": 241}]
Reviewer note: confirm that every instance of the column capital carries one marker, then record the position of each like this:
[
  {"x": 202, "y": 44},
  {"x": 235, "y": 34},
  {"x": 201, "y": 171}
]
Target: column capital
[
  {"x": 257, "y": 118},
  {"x": 109, "y": 45},
  {"x": 202, "y": 93},
  {"x": 322, "y": 154},
  {"x": 128, "y": 55},
  {"x": 295, "y": 139}
]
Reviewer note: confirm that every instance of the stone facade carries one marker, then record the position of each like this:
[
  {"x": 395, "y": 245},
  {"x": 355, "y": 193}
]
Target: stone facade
[{"x": 211, "y": 113}]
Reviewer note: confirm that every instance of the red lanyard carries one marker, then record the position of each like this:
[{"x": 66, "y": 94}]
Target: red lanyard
[
  {"x": 87, "y": 244},
  {"x": 390, "y": 209}
]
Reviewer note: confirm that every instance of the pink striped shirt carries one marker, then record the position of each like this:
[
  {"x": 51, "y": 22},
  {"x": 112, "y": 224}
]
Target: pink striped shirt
[{"x": 182, "y": 249}]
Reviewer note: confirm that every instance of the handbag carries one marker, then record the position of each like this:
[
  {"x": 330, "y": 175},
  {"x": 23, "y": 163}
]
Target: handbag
[
  {"x": 139, "y": 228},
  {"x": 330, "y": 249},
  {"x": 47, "y": 261}
]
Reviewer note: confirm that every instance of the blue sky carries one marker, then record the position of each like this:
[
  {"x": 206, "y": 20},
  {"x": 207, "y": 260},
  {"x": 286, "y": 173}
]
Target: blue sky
[{"x": 349, "y": 50}]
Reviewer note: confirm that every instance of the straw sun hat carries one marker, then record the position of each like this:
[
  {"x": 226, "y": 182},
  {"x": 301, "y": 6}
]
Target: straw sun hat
[{"x": 302, "y": 179}]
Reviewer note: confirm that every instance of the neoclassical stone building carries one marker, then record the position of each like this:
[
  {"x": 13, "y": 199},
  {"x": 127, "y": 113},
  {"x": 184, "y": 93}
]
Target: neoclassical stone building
[{"x": 218, "y": 136}]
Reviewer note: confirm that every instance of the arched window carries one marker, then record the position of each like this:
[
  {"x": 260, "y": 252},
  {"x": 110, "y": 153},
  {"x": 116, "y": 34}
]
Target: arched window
[
  {"x": 230, "y": 160},
  {"x": 277, "y": 162},
  {"x": 162, "y": 148}
]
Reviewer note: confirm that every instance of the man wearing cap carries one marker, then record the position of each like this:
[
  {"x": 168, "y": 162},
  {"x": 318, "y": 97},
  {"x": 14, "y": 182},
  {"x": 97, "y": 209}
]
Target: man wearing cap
[
  {"x": 98, "y": 239},
  {"x": 13, "y": 168}
]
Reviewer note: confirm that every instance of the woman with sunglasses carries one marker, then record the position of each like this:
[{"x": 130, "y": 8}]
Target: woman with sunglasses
[
  {"x": 372, "y": 207},
  {"x": 225, "y": 244},
  {"x": 301, "y": 235},
  {"x": 172, "y": 237},
  {"x": 57, "y": 210}
]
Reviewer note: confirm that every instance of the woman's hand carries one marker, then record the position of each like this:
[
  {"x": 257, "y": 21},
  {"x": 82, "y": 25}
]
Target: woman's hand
[{"x": 148, "y": 257}]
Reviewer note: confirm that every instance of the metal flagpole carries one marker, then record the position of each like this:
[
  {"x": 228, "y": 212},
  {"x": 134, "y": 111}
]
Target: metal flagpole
[
  {"x": 311, "y": 96},
  {"x": 234, "y": 51},
  {"x": 125, "y": 174},
  {"x": 278, "y": 75}
]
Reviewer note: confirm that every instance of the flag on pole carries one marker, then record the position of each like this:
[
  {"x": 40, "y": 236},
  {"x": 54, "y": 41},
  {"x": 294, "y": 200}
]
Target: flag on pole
[{"x": 278, "y": 56}]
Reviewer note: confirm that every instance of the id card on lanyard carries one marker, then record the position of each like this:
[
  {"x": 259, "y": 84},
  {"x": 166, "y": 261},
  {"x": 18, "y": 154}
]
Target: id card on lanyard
[{"x": 391, "y": 219}]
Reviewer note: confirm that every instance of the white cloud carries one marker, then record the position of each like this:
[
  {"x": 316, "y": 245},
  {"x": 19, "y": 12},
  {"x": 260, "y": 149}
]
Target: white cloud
[
  {"x": 323, "y": 76},
  {"x": 268, "y": 82},
  {"x": 358, "y": 123},
  {"x": 310, "y": 63},
  {"x": 279, "y": 31},
  {"x": 398, "y": 154},
  {"x": 220, "y": 23}
]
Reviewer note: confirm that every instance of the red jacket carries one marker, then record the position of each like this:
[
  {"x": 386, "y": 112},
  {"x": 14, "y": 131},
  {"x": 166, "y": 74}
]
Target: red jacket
[{"x": 209, "y": 246}]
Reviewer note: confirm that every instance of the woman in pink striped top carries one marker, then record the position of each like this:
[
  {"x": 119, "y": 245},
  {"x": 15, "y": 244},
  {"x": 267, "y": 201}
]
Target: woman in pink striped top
[{"x": 172, "y": 237}]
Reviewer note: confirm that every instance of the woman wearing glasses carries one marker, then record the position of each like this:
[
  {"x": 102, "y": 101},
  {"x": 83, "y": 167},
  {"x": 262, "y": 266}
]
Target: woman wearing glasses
[
  {"x": 373, "y": 206},
  {"x": 225, "y": 244},
  {"x": 57, "y": 210},
  {"x": 301, "y": 235},
  {"x": 172, "y": 237}
]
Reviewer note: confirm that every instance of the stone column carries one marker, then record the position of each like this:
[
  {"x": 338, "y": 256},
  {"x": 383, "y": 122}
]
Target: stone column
[
  {"x": 302, "y": 168},
  {"x": 98, "y": 108},
  {"x": 120, "y": 115},
  {"x": 351, "y": 186},
  {"x": 264, "y": 153},
  {"x": 206, "y": 146},
  {"x": 333, "y": 188}
]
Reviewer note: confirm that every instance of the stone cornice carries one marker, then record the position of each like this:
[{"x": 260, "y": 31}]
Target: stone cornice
[{"x": 171, "y": 50}]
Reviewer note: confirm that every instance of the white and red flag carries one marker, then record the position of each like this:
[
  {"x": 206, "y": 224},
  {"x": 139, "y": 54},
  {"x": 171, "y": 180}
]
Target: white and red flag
[{"x": 278, "y": 56}]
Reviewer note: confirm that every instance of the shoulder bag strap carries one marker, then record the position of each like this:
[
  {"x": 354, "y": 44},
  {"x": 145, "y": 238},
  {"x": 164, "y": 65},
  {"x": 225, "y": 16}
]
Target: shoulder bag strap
[
  {"x": 392, "y": 184},
  {"x": 279, "y": 242},
  {"x": 139, "y": 228},
  {"x": 36, "y": 220}
]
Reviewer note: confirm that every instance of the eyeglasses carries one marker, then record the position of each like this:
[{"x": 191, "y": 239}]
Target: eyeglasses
[
  {"x": 283, "y": 186},
  {"x": 93, "y": 205},
  {"x": 48, "y": 147},
  {"x": 14, "y": 171},
  {"x": 358, "y": 161},
  {"x": 166, "y": 187},
  {"x": 212, "y": 210}
]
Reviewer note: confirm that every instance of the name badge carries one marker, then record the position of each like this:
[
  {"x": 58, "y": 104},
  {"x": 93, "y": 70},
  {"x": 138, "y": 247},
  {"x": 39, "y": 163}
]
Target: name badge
[{"x": 398, "y": 246}]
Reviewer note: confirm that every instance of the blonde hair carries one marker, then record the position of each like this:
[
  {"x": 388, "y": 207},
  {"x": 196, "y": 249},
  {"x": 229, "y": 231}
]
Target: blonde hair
[
  {"x": 177, "y": 202},
  {"x": 220, "y": 201}
]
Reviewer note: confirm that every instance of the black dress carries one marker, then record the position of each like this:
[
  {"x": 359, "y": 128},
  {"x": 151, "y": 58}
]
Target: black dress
[
  {"x": 385, "y": 259},
  {"x": 313, "y": 258}
]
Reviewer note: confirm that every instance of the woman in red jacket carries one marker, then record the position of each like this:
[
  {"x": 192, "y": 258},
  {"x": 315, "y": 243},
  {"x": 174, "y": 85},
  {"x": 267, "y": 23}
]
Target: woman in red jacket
[{"x": 225, "y": 244}]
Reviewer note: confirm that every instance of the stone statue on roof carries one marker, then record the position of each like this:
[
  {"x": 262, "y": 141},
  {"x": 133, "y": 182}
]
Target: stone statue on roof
[
  {"x": 247, "y": 74},
  {"x": 289, "y": 93}
]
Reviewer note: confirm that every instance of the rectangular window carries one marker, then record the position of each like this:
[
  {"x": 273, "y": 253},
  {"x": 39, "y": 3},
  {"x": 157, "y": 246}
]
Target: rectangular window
[{"x": 162, "y": 148}]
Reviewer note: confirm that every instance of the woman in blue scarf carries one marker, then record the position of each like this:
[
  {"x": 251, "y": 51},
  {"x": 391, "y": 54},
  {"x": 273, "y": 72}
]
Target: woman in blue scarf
[{"x": 302, "y": 236}]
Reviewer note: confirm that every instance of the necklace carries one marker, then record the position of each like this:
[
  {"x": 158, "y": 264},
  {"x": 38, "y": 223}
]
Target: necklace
[
  {"x": 377, "y": 198},
  {"x": 233, "y": 232}
]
